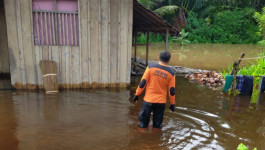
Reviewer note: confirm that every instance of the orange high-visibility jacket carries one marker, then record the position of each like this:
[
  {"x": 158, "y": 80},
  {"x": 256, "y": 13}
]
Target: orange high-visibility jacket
[{"x": 158, "y": 79}]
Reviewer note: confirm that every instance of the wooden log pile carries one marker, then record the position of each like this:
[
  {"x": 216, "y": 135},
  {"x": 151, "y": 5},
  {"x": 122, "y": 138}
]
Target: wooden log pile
[
  {"x": 212, "y": 78},
  {"x": 138, "y": 67}
]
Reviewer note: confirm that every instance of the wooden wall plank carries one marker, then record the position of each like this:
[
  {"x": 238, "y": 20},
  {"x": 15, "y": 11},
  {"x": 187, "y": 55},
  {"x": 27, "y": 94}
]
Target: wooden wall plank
[
  {"x": 59, "y": 69},
  {"x": 129, "y": 42},
  {"x": 10, "y": 13},
  {"x": 89, "y": 43},
  {"x": 99, "y": 43},
  {"x": 38, "y": 57},
  {"x": 78, "y": 35},
  {"x": 114, "y": 26},
  {"x": 119, "y": 43},
  {"x": 94, "y": 42},
  {"x": 75, "y": 67},
  {"x": 104, "y": 58},
  {"x": 105, "y": 33},
  {"x": 45, "y": 52},
  {"x": 123, "y": 41},
  {"x": 68, "y": 66},
  {"x": 50, "y": 52},
  {"x": 55, "y": 56},
  {"x": 27, "y": 43},
  {"x": 20, "y": 43},
  {"x": 84, "y": 49},
  {"x": 63, "y": 66},
  {"x": 32, "y": 43}
]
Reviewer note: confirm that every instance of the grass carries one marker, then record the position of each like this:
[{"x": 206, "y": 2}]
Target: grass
[{"x": 252, "y": 69}]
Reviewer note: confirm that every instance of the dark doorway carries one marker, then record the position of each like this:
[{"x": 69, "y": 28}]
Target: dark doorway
[{"x": 5, "y": 82}]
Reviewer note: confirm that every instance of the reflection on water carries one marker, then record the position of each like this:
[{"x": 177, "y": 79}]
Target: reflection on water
[
  {"x": 261, "y": 99},
  {"x": 8, "y": 122},
  {"x": 202, "y": 56},
  {"x": 105, "y": 119}
]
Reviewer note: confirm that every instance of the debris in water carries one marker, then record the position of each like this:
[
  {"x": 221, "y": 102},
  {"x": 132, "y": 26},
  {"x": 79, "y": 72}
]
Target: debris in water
[{"x": 211, "y": 78}]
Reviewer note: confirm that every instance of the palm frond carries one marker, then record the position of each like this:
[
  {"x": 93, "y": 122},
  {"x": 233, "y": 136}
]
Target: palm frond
[
  {"x": 147, "y": 3},
  {"x": 167, "y": 10}
]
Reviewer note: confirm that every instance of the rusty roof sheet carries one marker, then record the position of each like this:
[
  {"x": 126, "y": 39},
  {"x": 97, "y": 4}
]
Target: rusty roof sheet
[{"x": 146, "y": 20}]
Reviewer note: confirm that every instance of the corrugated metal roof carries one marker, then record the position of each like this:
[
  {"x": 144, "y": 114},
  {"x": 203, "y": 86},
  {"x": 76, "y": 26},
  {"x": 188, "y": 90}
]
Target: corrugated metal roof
[{"x": 146, "y": 20}]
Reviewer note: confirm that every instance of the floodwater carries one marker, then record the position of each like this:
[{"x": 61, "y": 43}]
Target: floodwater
[
  {"x": 106, "y": 119},
  {"x": 202, "y": 56}
]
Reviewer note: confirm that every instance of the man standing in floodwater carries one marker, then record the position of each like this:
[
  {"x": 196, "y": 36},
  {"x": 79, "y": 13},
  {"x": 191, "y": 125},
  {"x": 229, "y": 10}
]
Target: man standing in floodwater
[{"x": 158, "y": 79}]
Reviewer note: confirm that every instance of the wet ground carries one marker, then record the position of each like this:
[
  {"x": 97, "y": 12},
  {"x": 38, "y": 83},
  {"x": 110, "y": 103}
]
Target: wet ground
[
  {"x": 202, "y": 56},
  {"x": 106, "y": 119}
]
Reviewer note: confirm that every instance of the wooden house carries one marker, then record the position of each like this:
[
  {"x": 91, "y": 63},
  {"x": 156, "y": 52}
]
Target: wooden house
[{"x": 91, "y": 40}]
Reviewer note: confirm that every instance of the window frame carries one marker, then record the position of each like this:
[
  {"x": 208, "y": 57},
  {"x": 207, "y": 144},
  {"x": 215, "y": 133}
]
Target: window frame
[{"x": 56, "y": 24}]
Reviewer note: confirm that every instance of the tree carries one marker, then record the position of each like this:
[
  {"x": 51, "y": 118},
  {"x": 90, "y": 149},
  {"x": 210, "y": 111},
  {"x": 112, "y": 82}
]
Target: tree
[{"x": 260, "y": 18}]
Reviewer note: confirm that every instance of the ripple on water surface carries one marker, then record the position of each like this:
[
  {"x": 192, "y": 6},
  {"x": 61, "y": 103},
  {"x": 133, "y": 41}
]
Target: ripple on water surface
[{"x": 105, "y": 119}]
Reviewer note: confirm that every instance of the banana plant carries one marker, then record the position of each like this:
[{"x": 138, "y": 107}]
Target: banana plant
[{"x": 182, "y": 39}]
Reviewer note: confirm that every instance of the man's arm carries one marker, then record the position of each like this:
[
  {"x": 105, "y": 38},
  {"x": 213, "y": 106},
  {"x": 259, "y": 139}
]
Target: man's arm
[
  {"x": 143, "y": 83},
  {"x": 171, "y": 91}
]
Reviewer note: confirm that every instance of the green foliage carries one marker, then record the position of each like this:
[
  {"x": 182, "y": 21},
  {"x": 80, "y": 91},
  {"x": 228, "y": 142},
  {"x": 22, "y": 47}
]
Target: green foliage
[
  {"x": 262, "y": 43},
  {"x": 230, "y": 27},
  {"x": 167, "y": 10},
  {"x": 241, "y": 146},
  {"x": 227, "y": 71},
  {"x": 187, "y": 5},
  {"x": 197, "y": 27},
  {"x": 260, "y": 18},
  {"x": 213, "y": 21},
  {"x": 252, "y": 69},
  {"x": 147, "y": 3},
  {"x": 257, "y": 69},
  {"x": 154, "y": 38},
  {"x": 182, "y": 39}
]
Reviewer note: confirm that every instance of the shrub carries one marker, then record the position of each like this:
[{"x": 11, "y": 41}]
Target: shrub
[{"x": 229, "y": 26}]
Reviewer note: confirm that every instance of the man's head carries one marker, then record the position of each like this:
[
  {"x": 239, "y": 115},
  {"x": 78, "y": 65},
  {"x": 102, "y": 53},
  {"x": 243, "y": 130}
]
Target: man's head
[{"x": 164, "y": 56}]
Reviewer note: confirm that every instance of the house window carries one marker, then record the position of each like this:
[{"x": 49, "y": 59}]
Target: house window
[{"x": 55, "y": 22}]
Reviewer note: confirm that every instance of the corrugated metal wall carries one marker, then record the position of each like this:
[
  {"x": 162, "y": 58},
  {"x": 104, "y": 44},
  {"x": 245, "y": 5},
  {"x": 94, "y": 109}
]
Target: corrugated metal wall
[{"x": 102, "y": 59}]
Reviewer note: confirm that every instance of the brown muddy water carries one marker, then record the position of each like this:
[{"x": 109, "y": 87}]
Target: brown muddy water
[
  {"x": 202, "y": 56},
  {"x": 106, "y": 119}
]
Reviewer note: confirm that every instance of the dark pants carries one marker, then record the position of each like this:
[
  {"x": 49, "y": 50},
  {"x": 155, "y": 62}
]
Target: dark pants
[{"x": 158, "y": 113}]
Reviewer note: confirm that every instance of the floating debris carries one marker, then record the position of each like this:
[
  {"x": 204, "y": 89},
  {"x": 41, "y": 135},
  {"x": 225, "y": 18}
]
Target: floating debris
[{"x": 211, "y": 78}]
